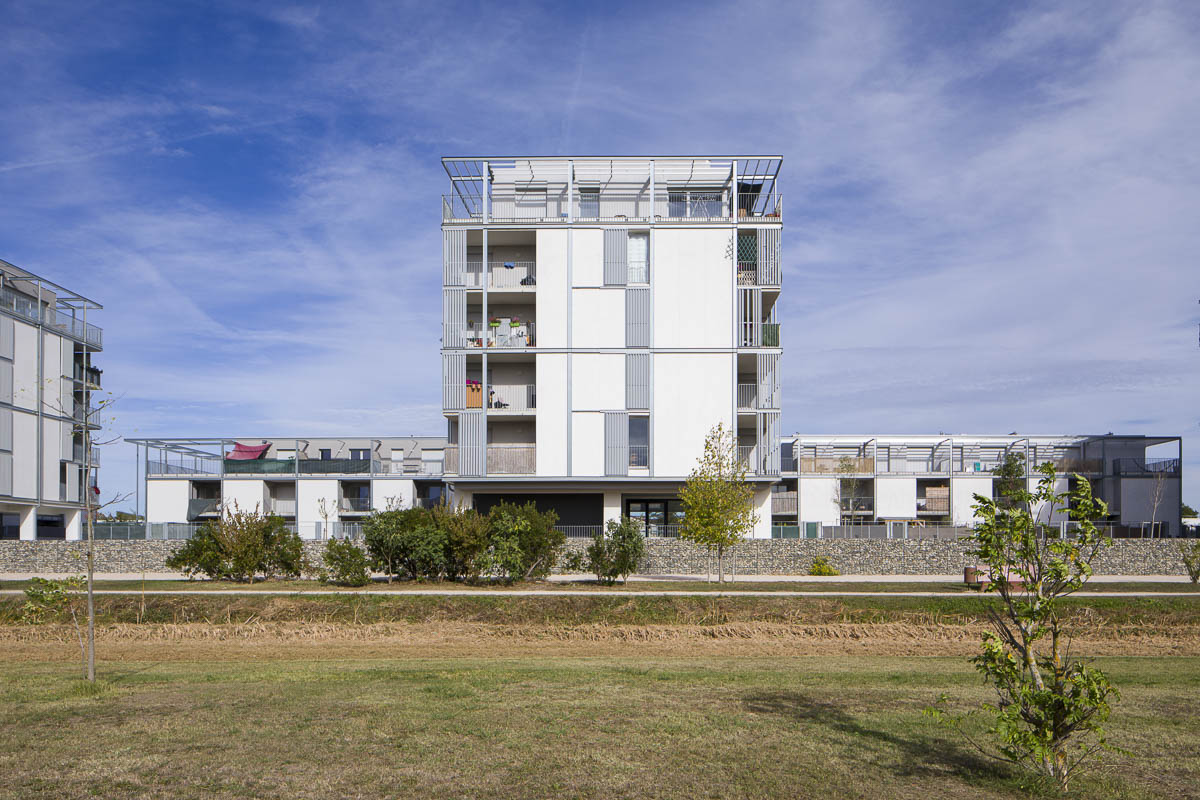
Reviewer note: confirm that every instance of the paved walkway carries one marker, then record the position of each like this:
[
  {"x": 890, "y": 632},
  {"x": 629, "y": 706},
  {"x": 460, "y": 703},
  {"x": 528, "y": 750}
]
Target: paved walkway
[
  {"x": 813, "y": 579},
  {"x": 449, "y": 592}
]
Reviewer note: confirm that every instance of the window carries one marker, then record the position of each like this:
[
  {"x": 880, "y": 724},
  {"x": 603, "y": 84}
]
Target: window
[
  {"x": 360, "y": 454},
  {"x": 655, "y": 517},
  {"x": 639, "y": 441},
  {"x": 10, "y": 526},
  {"x": 326, "y": 454},
  {"x": 589, "y": 202},
  {"x": 638, "y": 257}
]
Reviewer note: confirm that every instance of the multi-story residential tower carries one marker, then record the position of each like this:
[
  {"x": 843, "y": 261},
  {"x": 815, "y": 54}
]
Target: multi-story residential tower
[
  {"x": 600, "y": 316},
  {"x": 47, "y": 376}
]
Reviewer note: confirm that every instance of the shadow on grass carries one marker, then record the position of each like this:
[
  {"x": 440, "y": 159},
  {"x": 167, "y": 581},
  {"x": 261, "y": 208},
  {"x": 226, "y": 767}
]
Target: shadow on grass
[{"x": 917, "y": 755}]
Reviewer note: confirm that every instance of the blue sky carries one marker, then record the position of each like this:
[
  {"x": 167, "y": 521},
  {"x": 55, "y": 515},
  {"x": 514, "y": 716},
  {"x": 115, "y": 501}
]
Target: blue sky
[{"x": 991, "y": 207}]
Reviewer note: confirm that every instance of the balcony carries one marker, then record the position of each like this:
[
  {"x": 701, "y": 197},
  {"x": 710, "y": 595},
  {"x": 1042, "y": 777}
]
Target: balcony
[
  {"x": 751, "y": 273},
  {"x": 339, "y": 466},
  {"x": 613, "y": 205},
  {"x": 502, "y": 275},
  {"x": 502, "y": 335},
  {"x": 1146, "y": 467},
  {"x": 260, "y": 466},
  {"x": 27, "y": 307},
  {"x": 784, "y": 502},
  {"x": 758, "y": 334},
  {"x": 355, "y": 505},
  {"x": 933, "y": 505},
  {"x": 836, "y": 465},
  {"x": 511, "y": 459},
  {"x": 281, "y": 507},
  {"x": 747, "y": 396},
  {"x": 515, "y": 399}
]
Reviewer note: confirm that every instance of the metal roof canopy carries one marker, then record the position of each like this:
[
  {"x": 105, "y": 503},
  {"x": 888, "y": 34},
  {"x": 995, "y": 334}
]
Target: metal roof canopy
[
  {"x": 188, "y": 446},
  {"x": 63, "y": 296}
]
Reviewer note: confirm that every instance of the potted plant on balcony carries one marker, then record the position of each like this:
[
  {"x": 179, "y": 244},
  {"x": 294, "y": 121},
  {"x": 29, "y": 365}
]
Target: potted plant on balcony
[
  {"x": 515, "y": 322},
  {"x": 493, "y": 322}
]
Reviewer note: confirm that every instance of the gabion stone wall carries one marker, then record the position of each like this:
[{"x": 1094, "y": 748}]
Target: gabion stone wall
[{"x": 665, "y": 556}]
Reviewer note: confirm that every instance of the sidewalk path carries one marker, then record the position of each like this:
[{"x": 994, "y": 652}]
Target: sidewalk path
[{"x": 583, "y": 593}]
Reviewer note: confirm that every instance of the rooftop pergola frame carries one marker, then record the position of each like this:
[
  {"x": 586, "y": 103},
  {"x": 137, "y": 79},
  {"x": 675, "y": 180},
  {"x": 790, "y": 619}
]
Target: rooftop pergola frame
[
  {"x": 483, "y": 186},
  {"x": 47, "y": 290}
]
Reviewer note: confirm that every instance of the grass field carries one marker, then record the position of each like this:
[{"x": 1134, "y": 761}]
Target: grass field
[
  {"x": 348, "y": 696},
  {"x": 532, "y": 726}
]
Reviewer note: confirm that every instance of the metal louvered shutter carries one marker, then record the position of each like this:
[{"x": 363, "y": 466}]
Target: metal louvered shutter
[
  {"x": 454, "y": 317},
  {"x": 616, "y": 443},
  {"x": 768, "y": 380},
  {"x": 616, "y": 256},
  {"x": 471, "y": 445},
  {"x": 768, "y": 443},
  {"x": 454, "y": 381},
  {"x": 454, "y": 257},
  {"x": 637, "y": 381},
  {"x": 769, "y": 271},
  {"x": 637, "y": 317}
]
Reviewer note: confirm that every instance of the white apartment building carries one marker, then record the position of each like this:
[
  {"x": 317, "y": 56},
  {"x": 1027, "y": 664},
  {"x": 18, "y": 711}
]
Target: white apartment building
[
  {"x": 47, "y": 377},
  {"x": 322, "y": 486},
  {"x": 903, "y": 482},
  {"x": 600, "y": 316}
]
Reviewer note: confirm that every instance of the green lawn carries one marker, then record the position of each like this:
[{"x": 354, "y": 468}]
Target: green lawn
[{"x": 631, "y": 727}]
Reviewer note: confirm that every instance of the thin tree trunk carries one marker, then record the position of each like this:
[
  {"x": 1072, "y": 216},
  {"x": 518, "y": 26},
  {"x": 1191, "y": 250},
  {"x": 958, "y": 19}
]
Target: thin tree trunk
[
  {"x": 91, "y": 554},
  {"x": 720, "y": 564},
  {"x": 79, "y": 636}
]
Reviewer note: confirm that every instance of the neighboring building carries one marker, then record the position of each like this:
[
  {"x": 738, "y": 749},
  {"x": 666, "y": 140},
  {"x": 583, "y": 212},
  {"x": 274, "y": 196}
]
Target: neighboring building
[
  {"x": 47, "y": 376},
  {"x": 900, "y": 481},
  {"x": 324, "y": 486},
  {"x": 600, "y": 316}
]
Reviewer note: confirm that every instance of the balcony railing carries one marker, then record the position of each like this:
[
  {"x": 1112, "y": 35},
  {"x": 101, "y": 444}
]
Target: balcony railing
[
  {"x": 933, "y": 505},
  {"x": 613, "y": 205},
  {"x": 579, "y": 531},
  {"x": 282, "y": 507},
  {"x": 338, "y": 466},
  {"x": 784, "y": 502},
  {"x": 1141, "y": 467},
  {"x": 758, "y": 334},
  {"x": 639, "y": 455},
  {"x": 514, "y": 399},
  {"x": 65, "y": 324},
  {"x": 502, "y": 274},
  {"x": 305, "y": 466},
  {"x": 511, "y": 459},
  {"x": 751, "y": 273},
  {"x": 747, "y": 395},
  {"x": 833, "y": 465},
  {"x": 261, "y": 466},
  {"x": 502, "y": 335},
  {"x": 356, "y": 505}
]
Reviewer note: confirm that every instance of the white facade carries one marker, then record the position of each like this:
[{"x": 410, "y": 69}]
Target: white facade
[
  {"x": 47, "y": 377},
  {"x": 637, "y": 293}
]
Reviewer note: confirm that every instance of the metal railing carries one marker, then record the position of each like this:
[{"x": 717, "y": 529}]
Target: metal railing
[
  {"x": 638, "y": 272},
  {"x": 501, "y": 335},
  {"x": 579, "y": 531},
  {"x": 788, "y": 463},
  {"x": 356, "y": 505},
  {"x": 758, "y": 334},
  {"x": 339, "y": 466},
  {"x": 933, "y": 505},
  {"x": 639, "y": 455},
  {"x": 749, "y": 274},
  {"x": 260, "y": 466},
  {"x": 1145, "y": 466},
  {"x": 784, "y": 502},
  {"x": 513, "y": 399},
  {"x": 64, "y": 323},
  {"x": 661, "y": 531},
  {"x": 768, "y": 205},
  {"x": 282, "y": 507},
  {"x": 502, "y": 274},
  {"x": 415, "y": 468},
  {"x": 747, "y": 395},
  {"x": 833, "y": 465},
  {"x": 511, "y": 459},
  {"x": 612, "y": 205}
]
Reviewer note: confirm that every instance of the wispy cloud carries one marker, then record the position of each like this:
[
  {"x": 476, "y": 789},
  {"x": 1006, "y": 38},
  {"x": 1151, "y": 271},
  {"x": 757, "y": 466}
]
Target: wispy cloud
[{"x": 990, "y": 216}]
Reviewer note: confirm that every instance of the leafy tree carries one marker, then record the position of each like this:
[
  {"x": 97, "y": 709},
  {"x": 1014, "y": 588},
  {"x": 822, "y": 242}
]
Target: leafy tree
[
  {"x": 1050, "y": 706},
  {"x": 383, "y": 537},
  {"x": 466, "y": 532},
  {"x": 850, "y": 490},
  {"x": 718, "y": 503},
  {"x": 1186, "y": 510},
  {"x": 241, "y": 546},
  {"x": 44, "y": 597},
  {"x": 522, "y": 542},
  {"x": 616, "y": 551},
  {"x": 345, "y": 563},
  {"x": 1009, "y": 479},
  {"x": 422, "y": 545}
]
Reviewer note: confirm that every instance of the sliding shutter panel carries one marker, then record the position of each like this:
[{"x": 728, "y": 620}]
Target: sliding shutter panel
[
  {"x": 454, "y": 317},
  {"x": 768, "y": 380},
  {"x": 637, "y": 317},
  {"x": 471, "y": 445},
  {"x": 769, "y": 271},
  {"x": 454, "y": 257},
  {"x": 454, "y": 381},
  {"x": 768, "y": 444},
  {"x": 637, "y": 381},
  {"x": 616, "y": 443},
  {"x": 6, "y": 337},
  {"x": 616, "y": 256}
]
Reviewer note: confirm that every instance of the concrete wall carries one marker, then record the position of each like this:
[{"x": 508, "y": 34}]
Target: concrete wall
[
  {"x": 597, "y": 318},
  {"x": 244, "y": 494},
  {"x": 692, "y": 276},
  {"x": 552, "y": 289},
  {"x": 598, "y": 381},
  {"x": 587, "y": 443},
  {"x": 167, "y": 500},
  {"x": 665, "y": 557},
  {"x": 24, "y": 455},
  {"x": 25, "y": 366},
  {"x": 387, "y": 492},
  {"x": 587, "y": 257},
  {"x": 553, "y": 417},
  {"x": 895, "y": 498},
  {"x": 309, "y": 494},
  {"x": 818, "y": 500},
  {"x": 692, "y": 393},
  {"x": 962, "y": 497}
]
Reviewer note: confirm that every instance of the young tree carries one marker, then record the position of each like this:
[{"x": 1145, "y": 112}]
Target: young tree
[
  {"x": 1190, "y": 552},
  {"x": 1009, "y": 479},
  {"x": 1050, "y": 706},
  {"x": 45, "y": 596},
  {"x": 718, "y": 503},
  {"x": 849, "y": 489}
]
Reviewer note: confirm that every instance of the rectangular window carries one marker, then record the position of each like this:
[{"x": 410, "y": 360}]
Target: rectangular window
[
  {"x": 326, "y": 454},
  {"x": 639, "y": 441},
  {"x": 362, "y": 454},
  {"x": 10, "y": 526},
  {"x": 638, "y": 251}
]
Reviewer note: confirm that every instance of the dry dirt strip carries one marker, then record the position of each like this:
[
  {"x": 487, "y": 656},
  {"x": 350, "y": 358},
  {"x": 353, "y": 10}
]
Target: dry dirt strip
[{"x": 581, "y": 593}]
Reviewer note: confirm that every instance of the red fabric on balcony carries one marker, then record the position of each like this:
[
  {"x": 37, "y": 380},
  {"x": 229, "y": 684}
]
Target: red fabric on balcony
[{"x": 247, "y": 452}]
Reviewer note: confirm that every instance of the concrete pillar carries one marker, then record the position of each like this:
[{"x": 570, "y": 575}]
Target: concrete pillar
[
  {"x": 28, "y": 523},
  {"x": 762, "y": 506},
  {"x": 73, "y": 521},
  {"x": 612, "y": 506}
]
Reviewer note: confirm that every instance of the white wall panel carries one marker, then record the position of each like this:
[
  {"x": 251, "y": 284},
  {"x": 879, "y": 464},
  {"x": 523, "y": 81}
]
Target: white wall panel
[
  {"x": 587, "y": 257},
  {"x": 896, "y": 498},
  {"x": 25, "y": 366},
  {"x": 24, "y": 455},
  {"x": 247, "y": 494},
  {"x": 597, "y": 318},
  {"x": 587, "y": 443},
  {"x": 309, "y": 494},
  {"x": 51, "y": 458},
  {"x": 692, "y": 393},
  {"x": 392, "y": 492},
  {"x": 692, "y": 275},
  {"x": 598, "y": 381},
  {"x": 167, "y": 500},
  {"x": 819, "y": 500},
  {"x": 962, "y": 497},
  {"x": 553, "y": 293},
  {"x": 553, "y": 417}
]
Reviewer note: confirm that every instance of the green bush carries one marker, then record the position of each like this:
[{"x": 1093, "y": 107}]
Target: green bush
[
  {"x": 821, "y": 566},
  {"x": 522, "y": 542},
  {"x": 616, "y": 551},
  {"x": 466, "y": 533},
  {"x": 383, "y": 533},
  {"x": 345, "y": 564},
  {"x": 1190, "y": 551},
  {"x": 241, "y": 546}
]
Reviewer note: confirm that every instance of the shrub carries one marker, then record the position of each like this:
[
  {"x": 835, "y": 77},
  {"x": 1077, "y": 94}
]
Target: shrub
[
  {"x": 616, "y": 551},
  {"x": 821, "y": 566},
  {"x": 240, "y": 546},
  {"x": 522, "y": 542},
  {"x": 345, "y": 564},
  {"x": 422, "y": 545},
  {"x": 382, "y": 535},
  {"x": 466, "y": 538},
  {"x": 1190, "y": 551}
]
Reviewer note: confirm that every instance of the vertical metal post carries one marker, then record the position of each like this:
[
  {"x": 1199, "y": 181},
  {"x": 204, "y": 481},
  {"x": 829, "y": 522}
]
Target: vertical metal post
[{"x": 483, "y": 373}]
